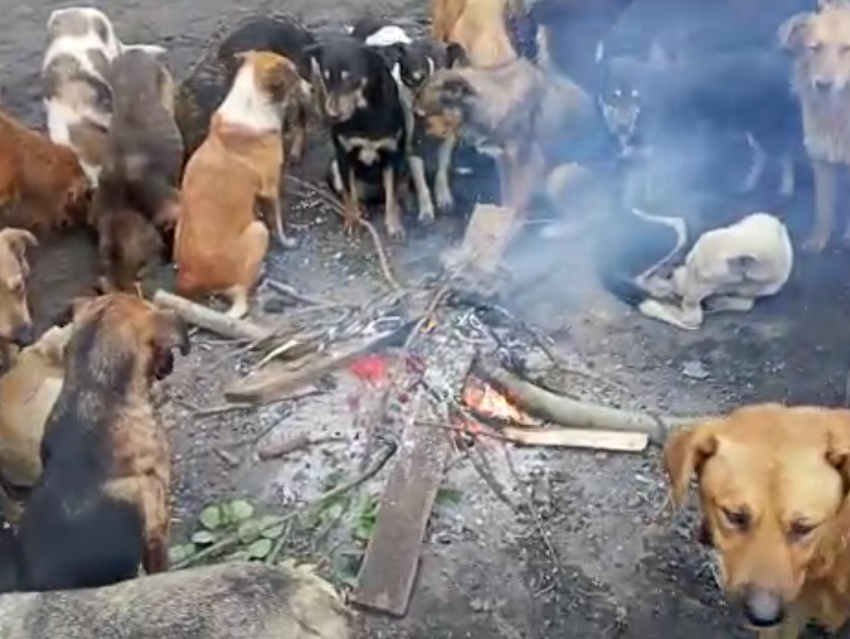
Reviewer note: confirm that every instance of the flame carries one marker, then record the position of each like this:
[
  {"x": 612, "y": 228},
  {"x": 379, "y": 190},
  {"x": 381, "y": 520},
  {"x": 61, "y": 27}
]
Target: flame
[{"x": 488, "y": 402}]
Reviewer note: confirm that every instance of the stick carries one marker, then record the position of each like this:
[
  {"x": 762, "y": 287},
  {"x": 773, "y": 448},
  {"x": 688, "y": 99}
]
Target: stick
[
  {"x": 271, "y": 387},
  {"x": 613, "y": 440},
  {"x": 578, "y": 414},
  {"x": 276, "y": 450},
  {"x": 209, "y": 319},
  {"x": 288, "y": 291}
]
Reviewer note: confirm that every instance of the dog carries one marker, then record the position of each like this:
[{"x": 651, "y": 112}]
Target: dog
[
  {"x": 821, "y": 81},
  {"x": 42, "y": 185},
  {"x": 773, "y": 492},
  {"x": 141, "y": 170},
  {"x": 224, "y": 601},
  {"x": 725, "y": 269},
  {"x": 411, "y": 62},
  {"x": 16, "y": 330},
  {"x": 219, "y": 245},
  {"x": 101, "y": 505},
  {"x": 28, "y": 391},
  {"x": 81, "y": 43},
  {"x": 209, "y": 81},
  {"x": 361, "y": 102}
]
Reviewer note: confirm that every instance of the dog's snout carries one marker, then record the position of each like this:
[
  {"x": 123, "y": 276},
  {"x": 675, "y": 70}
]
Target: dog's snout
[
  {"x": 24, "y": 335},
  {"x": 762, "y": 608},
  {"x": 822, "y": 85}
]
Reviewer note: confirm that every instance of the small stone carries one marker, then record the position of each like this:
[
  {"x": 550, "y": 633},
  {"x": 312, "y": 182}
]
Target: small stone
[{"x": 695, "y": 370}]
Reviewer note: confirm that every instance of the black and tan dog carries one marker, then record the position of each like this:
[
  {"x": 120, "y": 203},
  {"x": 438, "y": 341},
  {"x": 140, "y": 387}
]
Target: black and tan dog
[
  {"x": 361, "y": 101},
  {"x": 203, "y": 91},
  {"x": 224, "y": 601},
  {"x": 137, "y": 189},
  {"x": 16, "y": 329},
  {"x": 100, "y": 507}
]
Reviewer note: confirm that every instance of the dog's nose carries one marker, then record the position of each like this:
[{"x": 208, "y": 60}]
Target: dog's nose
[
  {"x": 763, "y": 609},
  {"x": 24, "y": 335},
  {"x": 822, "y": 86}
]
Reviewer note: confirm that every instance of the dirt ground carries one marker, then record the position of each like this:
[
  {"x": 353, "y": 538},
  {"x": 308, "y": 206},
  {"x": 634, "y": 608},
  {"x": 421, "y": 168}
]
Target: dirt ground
[{"x": 599, "y": 561}]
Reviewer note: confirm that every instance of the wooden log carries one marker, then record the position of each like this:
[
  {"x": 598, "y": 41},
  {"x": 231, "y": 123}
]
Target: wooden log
[
  {"x": 578, "y": 414},
  {"x": 211, "y": 320},
  {"x": 263, "y": 387},
  {"x": 389, "y": 568},
  {"x": 612, "y": 440}
]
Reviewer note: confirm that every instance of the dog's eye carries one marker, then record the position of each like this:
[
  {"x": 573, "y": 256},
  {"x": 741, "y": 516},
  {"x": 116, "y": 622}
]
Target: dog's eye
[
  {"x": 739, "y": 519},
  {"x": 800, "y": 529},
  {"x": 815, "y": 47}
]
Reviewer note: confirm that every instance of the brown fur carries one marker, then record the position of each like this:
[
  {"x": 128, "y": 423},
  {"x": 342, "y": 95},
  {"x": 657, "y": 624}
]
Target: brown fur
[
  {"x": 496, "y": 107},
  {"x": 45, "y": 178},
  {"x": 120, "y": 344},
  {"x": 137, "y": 188},
  {"x": 479, "y": 26},
  {"x": 219, "y": 244},
  {"x": 773, "y": 485},
  {"x": 27, "y": 394},
  {"x": 15, "y": 320},
  {"x": 820, "y": 43}
]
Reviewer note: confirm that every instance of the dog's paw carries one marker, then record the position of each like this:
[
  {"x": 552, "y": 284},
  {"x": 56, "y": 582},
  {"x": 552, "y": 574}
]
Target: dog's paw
[
  {"x": 288, "y": 242},
  {"x": 815, "y": 244},
  {"x": 444, "y": 197},
  {"x": 396, "y": 232},
  {"x": 426, "y": 215}
]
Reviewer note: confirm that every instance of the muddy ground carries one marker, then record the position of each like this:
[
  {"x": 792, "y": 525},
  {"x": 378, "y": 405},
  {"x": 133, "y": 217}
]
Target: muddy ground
[{"x": 599, "y": 562}]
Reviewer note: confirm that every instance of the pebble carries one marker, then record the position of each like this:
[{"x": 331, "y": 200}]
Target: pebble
[{"x": 695, "y": 370}]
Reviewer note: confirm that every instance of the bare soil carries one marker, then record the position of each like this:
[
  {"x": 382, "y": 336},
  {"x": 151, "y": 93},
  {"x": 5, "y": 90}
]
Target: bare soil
[{"x": 593, "y": 557}]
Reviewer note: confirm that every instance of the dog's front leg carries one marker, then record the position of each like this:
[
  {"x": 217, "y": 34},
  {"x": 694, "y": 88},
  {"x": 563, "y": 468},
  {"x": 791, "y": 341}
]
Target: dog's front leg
[
  {"x": 825, "y": 203},
  {"x": 270, "y": 208},
  {"x": 350, "y": 198},
  {"x": 442, "y": 188},
  {"x": 757, "y": 167},
  {"x": 423, "y": 193},
  {"x": 298, "y": 113},
  {"x": 392, "y": 216},
  {"x": 788, "y": 182},
  {"x": 155, "y": 557}
]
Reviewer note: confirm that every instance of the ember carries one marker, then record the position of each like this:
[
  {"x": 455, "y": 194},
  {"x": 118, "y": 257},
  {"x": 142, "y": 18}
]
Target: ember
[{"x": 486, "y": 401}]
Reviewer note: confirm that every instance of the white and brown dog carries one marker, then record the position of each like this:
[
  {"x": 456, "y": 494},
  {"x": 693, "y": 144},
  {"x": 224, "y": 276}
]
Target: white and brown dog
[
  {"x": 727, "y": 269},
  {"x": 81, "y": 43}
]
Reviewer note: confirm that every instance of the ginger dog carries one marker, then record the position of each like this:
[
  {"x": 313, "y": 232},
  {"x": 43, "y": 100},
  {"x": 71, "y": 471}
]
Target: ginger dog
[
  {"x": 15, "y": 323},
  {"x": 45, "y": 177},
  {"x": 27, "y": 394},
  {"x": 773, "y": 487},
  {"x": 219, "y": 244},
  {"x": 224, "y": 601},
  {"x": 101, "y": 505},
  {"x": 820, "y": 43}
]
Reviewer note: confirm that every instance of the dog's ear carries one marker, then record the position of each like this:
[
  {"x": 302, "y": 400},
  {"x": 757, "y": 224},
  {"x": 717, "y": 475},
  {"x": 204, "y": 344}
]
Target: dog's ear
[
  {"x": 456, "y": 56},
  {"x": 73, "y": 309},
  {"x": 791, "y": 31},
  {"x": 838, "y": 443},
  {"x": 18, "y": 241},
  {"x": 171, "y": 332},
  {"x": 684, "y": 454}
]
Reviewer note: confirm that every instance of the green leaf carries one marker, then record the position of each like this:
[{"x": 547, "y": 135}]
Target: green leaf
[
  {"x": 249, "y": 530},
  {"x": 448, "y": 496},
  {"x": 211, "y": 518},
  {"x": 239, "y": 555},
  {"x": 272, "y": 526},
  {"x": 240, "y": 510},
  {"x": 331, "y": 513},
  {"x": 260, "y": 549},
  {"x": 364, "y": 528},
  {"x": 181, "y": 552},
  {"x": 204, "y": 537}
]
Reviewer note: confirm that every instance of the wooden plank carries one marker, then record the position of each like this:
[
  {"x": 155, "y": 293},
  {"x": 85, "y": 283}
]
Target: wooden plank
[{"x": 389, "y": 569}]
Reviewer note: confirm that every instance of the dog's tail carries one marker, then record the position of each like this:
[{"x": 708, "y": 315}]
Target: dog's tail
[{"x": 623, "y": 287}]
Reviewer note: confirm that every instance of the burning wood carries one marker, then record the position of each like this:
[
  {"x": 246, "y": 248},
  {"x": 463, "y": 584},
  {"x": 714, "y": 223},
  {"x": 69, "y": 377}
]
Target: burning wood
[{"x": 485, "y": 401}]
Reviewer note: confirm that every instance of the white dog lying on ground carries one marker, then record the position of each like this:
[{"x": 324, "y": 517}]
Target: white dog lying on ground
[{"x": 727, "y": 269}]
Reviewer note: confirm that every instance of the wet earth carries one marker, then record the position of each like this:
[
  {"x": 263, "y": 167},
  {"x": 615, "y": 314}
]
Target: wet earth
[{"x": 590, "y": 554}]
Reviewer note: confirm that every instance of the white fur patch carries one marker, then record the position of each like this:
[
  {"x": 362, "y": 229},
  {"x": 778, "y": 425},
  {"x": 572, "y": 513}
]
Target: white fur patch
[
  {"x": 248, "y": 106},
  {"x": 388, "y": 35}
]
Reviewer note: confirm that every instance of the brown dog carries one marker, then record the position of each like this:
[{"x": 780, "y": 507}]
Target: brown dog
[
  {"x": 15, "y": 323},
  {"x": 219, "y": 243},
  {"x": 101, "y": 505},
  {"x": 142, "y": 168},
  {"x": 27, "y": 394},
  {"x": 821, "y": 79},
  {"x": 773, "y": 486},
  {"x": 44, "y": 178}
]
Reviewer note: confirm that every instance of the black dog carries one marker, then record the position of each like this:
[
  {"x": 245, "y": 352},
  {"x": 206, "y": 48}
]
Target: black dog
[{"x": 363, "y": 106}]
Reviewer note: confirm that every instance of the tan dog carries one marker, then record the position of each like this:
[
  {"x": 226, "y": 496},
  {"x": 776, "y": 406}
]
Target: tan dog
[
  {"x": 45, "y": 177},
  {"x": 219, "y": 245},
  {"x": 821, "y": 78},
  {"x": 773, "y": 487},
  {"x": 479, "y": 26},
  {"x": 27, "y": 394},
  {"x": 15, "y": 322}
]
